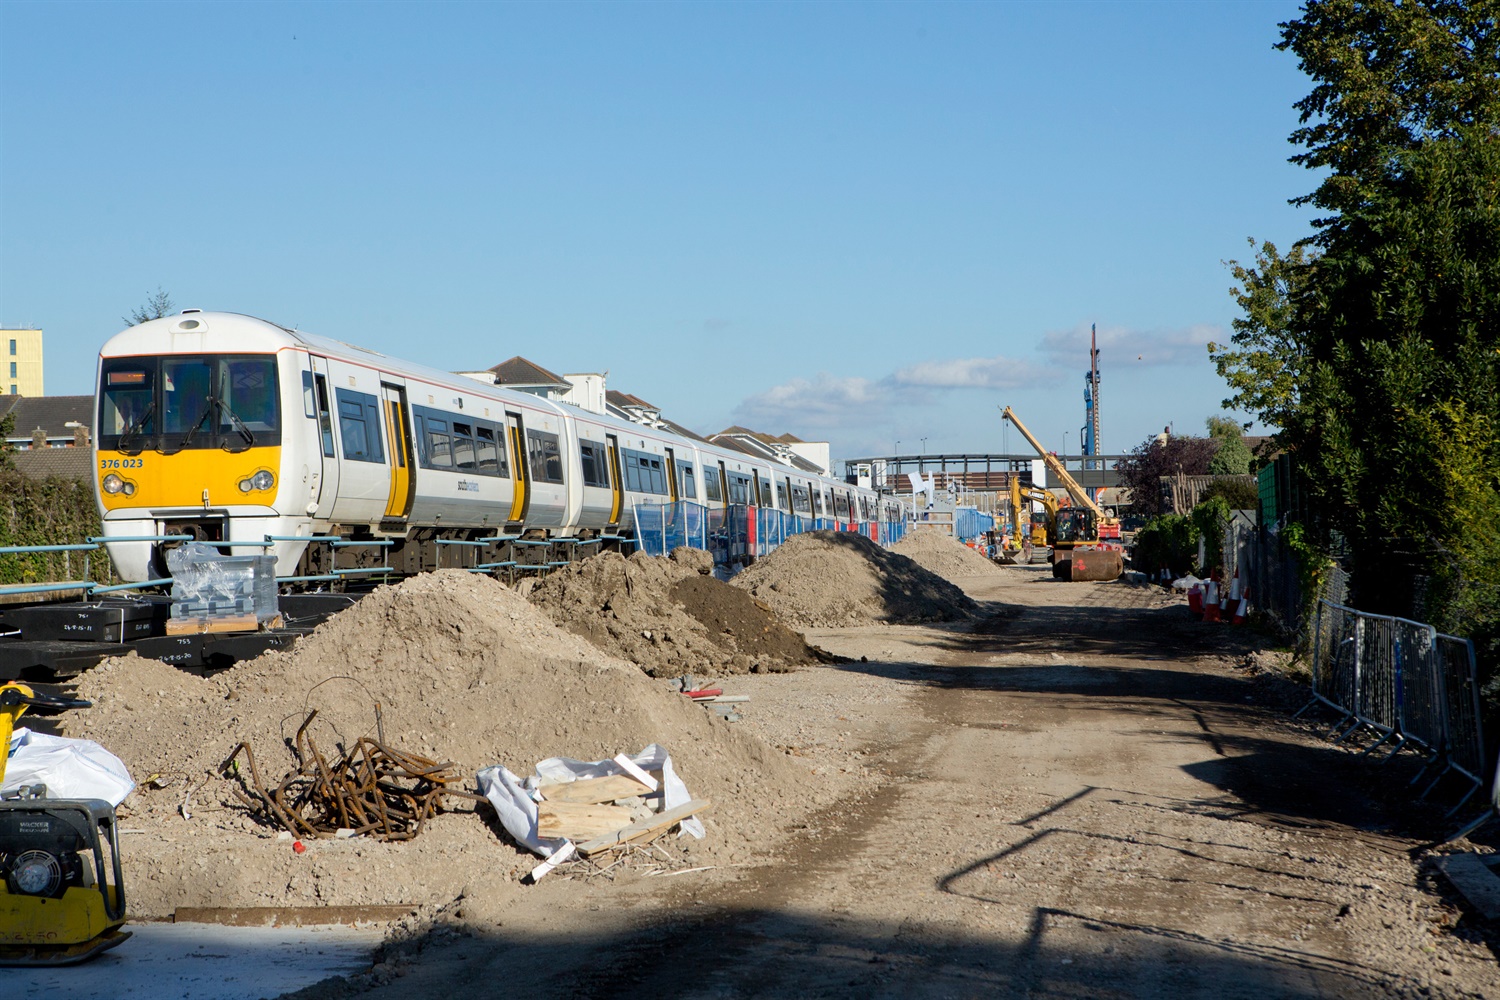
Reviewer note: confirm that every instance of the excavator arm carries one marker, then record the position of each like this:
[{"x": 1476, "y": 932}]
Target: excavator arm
[{"x": 1078, "y": 493}]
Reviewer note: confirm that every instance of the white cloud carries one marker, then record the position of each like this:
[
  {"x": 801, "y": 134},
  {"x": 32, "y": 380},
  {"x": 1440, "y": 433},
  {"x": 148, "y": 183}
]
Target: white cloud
[
  {"x": 1120, "y": 346},
  {"x": 998, "y": 372},
  {"x": 823, "y": 403}
]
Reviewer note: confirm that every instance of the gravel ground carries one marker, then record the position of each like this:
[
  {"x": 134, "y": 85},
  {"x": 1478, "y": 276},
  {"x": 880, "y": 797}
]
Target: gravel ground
[{"x": 1079, "y": 794}]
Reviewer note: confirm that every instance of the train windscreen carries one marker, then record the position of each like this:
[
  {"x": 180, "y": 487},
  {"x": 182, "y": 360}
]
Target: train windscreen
[{"x": 175, "y": 402}]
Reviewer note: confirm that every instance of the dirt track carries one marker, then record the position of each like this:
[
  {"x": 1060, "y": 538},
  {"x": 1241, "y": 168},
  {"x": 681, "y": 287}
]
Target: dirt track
[{"x": 1079, "y": 797}]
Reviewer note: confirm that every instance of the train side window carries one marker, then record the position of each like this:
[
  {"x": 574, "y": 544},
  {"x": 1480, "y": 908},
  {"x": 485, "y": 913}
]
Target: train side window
[
  {"x": 800, "y": 502},
  {"x": 359, "y": 426},
  {"x": 463, "y": 447},
  {"x": 689, "y": 480},
  {"x": 595, "y": 470},
  {"x": 711, "y": 487},
  {"x": 491, "y": 463},
  {"x": 325, "y": 419},
  {"x": 439, "y": 444},
  {"x": 545, "y": 456},
  {"x": 309, "y": 397}
]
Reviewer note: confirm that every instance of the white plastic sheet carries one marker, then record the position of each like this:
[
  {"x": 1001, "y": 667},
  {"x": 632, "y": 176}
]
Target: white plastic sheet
[
  {"x": 71, "y": 769},
  {"x": 515, "y": 803}
]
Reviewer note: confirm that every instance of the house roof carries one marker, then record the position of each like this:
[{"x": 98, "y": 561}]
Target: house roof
[
  {"x": 50, "y": 413},
  {"x": 66, "y": 463},
  {"x": 518, "y": 372}
]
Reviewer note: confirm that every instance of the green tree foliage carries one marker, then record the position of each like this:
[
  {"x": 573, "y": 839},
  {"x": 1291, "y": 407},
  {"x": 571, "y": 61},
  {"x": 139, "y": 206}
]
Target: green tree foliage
[
  {"x": 7, "y": 427},
  {"x": 1390, "y": 76},
  {"x": 1237, "y": 492},
  {"x": 50, "y": 511},
  {"x": 1169, "y": 540},
  {"x": 1265, "y": 359},
  {"x": 1232, "y": 457},
  {"x": 1374, "y": 348}
]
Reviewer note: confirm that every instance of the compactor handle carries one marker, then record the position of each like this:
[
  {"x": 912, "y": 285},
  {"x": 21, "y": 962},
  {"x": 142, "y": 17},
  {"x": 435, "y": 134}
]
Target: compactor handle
[{"x": 12, "y": 696}]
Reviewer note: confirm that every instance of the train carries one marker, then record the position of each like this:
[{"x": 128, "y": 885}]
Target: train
[{"x": 225, "y": 428}]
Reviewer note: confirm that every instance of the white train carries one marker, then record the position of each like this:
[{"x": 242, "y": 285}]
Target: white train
[{"x": 224, "y": 427}]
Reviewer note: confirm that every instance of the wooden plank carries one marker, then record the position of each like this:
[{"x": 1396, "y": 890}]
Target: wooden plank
[
  {"x": 579, "y": 820},
  {"x": 234, "y": 623},
  {"x": 605, "y": 789},
  {"x": 1477, "y": 881},
  {"x": 645, "y": 829},
  {"x": 288, "y": 916}
]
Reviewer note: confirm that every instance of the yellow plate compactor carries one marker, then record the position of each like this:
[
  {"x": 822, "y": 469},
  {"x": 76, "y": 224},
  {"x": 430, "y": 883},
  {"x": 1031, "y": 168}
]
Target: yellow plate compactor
[{"x": 61, "y": 898}]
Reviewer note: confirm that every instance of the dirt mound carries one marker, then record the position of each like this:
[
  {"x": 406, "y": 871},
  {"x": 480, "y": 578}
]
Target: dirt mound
[
  {"x": 828, "y": 579},
  {"x": 465, "y": 670},
  {"x": 939, "y": 552},
  {"x": 668, "y": 618}
]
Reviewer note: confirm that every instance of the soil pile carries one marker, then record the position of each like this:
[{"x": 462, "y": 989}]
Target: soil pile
[
  {"x": 829, "y": 579},
  {"x": 939, "y": 552},
  {"x": 667, "y": 617},
  {"x": 465, "y": 670}
]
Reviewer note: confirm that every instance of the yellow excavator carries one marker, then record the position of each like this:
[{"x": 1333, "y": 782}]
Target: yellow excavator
[
  {"x": 1032, "y": 529},
  {"x": 1085, "y": 540},
  {"x": 61, "y": 899}
]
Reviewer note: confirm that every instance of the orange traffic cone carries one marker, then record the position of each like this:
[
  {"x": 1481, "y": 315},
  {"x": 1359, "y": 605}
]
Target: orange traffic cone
[
  {"x": 1235, "y": 592},
  {"x": 1242, "y": 609},
  {"x": 1211, "y": 602}
]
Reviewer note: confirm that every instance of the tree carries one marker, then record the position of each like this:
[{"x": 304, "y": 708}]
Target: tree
[
  {"x": 1265, "y": 359},
  {"x": 7, "y": 425},
  {"x": 1390, "y": 76},
  {"x": 1142, "y": 470},
  {"x": 155, "y": 307},
  {"x": 1231, "y": 458}
]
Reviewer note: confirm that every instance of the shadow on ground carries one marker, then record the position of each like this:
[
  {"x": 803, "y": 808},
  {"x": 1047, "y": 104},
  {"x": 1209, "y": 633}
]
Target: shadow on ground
[{"x": 701, "y": 951}]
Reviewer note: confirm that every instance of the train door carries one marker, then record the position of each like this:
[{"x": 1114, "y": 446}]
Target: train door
[
  {"x": 520, "y": 469},
  {"x": 326, "y": 474},
  {"x": 755, "y": 496},
  {"x": 723, "y": 483},
  {"x": 671, "y": 461},
  {"x": 398, "y": 440},
  {"x": 616, "y": 482}
]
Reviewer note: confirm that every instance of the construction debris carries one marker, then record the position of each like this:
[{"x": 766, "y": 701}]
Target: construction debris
[
  {"x": 592, "y": 807},
  {"x": 372, "y": 790}
]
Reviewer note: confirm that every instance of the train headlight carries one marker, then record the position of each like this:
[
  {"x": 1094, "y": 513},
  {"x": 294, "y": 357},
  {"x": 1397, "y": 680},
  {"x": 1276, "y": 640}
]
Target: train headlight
[
  {"x": 262, "y": 480},
  {"x": 244, "y": 486},
  {"x": 113, "y": 483},
  {"x": 129, "y": 489}
]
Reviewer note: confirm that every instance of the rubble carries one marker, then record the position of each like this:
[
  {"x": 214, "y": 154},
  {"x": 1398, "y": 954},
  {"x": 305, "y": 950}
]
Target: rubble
[
  {"x": 668, "y": 617},
  {"x": 829, "y": 579},
  {"x": 467, "y": 671}
]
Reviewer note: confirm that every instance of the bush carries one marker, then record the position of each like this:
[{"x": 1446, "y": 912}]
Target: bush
[
  {"x": 1169, "y": 540},
  {"x": 51, "y": 511}
]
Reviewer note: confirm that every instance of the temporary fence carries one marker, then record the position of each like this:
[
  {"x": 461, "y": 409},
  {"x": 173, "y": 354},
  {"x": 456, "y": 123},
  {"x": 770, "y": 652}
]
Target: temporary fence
[
  {"x": 1405, "y": 683},
  {"x": 969, "y": 524},
  {"x": 737, "y": 534}
]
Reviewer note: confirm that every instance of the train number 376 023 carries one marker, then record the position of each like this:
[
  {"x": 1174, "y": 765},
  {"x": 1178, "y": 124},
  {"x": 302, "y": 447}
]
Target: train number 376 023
[{"x": 121, "y": 463}]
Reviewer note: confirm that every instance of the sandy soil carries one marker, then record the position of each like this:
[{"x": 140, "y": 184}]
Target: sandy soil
[{"x": 1078, "y": 794}]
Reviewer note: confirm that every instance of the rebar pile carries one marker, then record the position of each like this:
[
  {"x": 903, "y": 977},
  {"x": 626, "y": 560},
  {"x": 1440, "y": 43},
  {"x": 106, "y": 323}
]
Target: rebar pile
[{"x": 371, "y": 789}]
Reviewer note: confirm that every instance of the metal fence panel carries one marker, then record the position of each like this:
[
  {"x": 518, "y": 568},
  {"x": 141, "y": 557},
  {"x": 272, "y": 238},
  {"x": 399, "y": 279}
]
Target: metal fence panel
[{"x": 1455, "y": 659}]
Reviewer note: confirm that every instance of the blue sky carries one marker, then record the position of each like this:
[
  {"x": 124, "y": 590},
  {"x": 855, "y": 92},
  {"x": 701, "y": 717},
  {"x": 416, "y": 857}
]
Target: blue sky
[{"x": 862, "y": 223}]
